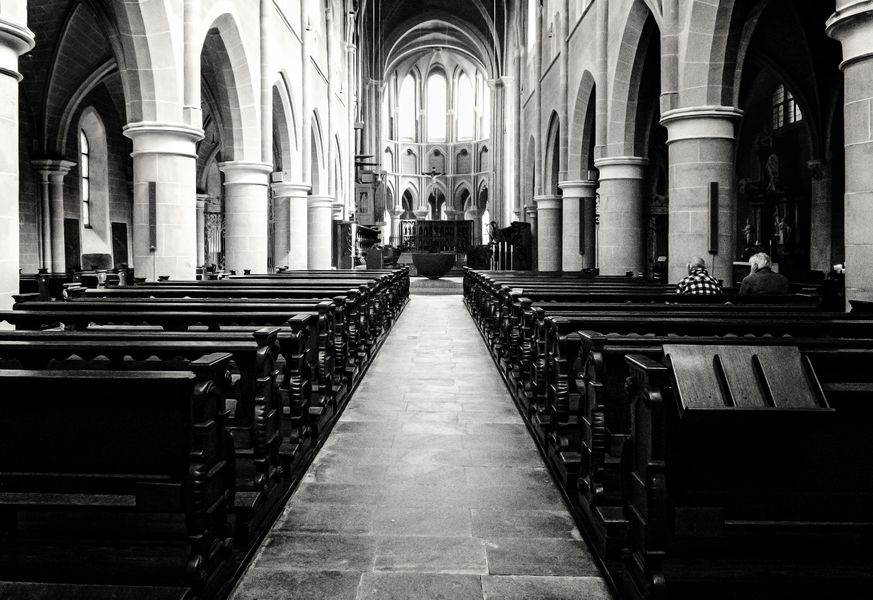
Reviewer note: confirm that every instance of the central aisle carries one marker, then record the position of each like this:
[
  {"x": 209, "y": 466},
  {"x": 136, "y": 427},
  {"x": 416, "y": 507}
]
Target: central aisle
[{"x": 428, "y": 487}]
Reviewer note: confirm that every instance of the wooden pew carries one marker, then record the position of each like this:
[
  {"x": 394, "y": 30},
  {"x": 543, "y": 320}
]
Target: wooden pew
[
  {"x": 266, "y": 448},
  {"x": 104, "y": 472},
  {"x": 741, "y": 480}
]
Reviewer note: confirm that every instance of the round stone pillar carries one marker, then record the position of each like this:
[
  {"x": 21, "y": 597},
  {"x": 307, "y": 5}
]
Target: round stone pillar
[
  {"x": 548, "y": 232},
  {"x": 281, "y": 224},
  {"x": 320, "y": 220},
  {"x": 15, "y": 39},
  {"x": 164, "y": 199},
  {"x": 395, "y": 227},
  {"x": 52, "y": 174},
  {"x": 701, "y": 153},
  {"x": 620, "y": 237},
  {"x": 245, "y": 215},
  {"x": 577, "y": 252},
  {"x": 201, "y": 228},
  {"x": 852, "y": 26},
  {"x": 297, "y": 195},
  {"x": 530, "y": 216}
]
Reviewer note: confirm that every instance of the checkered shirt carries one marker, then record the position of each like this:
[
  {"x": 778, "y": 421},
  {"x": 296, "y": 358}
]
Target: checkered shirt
[{"x": 699, "y": 282}]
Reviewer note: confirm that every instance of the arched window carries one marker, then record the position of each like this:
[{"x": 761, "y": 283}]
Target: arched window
[
  {"x": 485, "y": 107},
  {"x": 785, "y": 108},
  {"x": 466, "y": 109},
  {"x": 85, "y": 176},
  {"x": 406, "y": 108},
  {"x": 436, "y": 107}
]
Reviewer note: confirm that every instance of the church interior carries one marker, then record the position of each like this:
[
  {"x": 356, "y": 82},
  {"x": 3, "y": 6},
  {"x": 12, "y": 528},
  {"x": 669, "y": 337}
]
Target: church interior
[{"x": 373, "y": 299}]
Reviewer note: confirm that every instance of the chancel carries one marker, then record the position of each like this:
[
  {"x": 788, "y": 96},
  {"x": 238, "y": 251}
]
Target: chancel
[{"x": 370, "y": 299}]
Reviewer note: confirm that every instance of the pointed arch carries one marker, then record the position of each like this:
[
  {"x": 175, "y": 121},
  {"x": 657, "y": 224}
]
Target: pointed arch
[
  {"x": 625, "y": 135},
  {"x": 581, "y": 142},
  {"x": 316, "y": 150},
  {"x": 285, "y": 135},
  {"x": 225, "y": 68},
  {"x": 553, "y": 155},
  {"x": 460, "y": 195}
]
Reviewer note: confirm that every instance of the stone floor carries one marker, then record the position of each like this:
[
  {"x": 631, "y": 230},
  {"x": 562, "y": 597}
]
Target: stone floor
[{"x": 428, "y": 487}]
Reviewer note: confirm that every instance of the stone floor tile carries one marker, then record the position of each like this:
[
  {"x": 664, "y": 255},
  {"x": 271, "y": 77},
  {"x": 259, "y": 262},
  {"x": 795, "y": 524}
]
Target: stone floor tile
[
  {"x": 268, "y": 584},
  {"x": 421, "y": 586},
  {"x": 427, "y": 474},
  {"x": 433, "y": 456},
  {"x": 444, "y": 521},
  {"x": 337, "y": 493},
  {"x": 544, "y": 588},
  {"x": 526, "y": 524},
  {"x": 329, "y": 518},
  {"x": 431, "y": 555},
  {"x": 543, "y": 556},
  {"x": 489, "y": 477},
  {"x": 310, "y": 552},
  {"x": 346, "y": 473}
]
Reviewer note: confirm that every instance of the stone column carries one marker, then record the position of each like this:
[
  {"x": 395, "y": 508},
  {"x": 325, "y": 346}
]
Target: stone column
[
  {"x": 620, "y": 237},
  {"x": 164, "y": 153},
  {"x": 852, "y": 25},
  {"x": 700, "y": 140},
  {"x": 15, "y": 39},
  {"x": 476, "y": 217},
  {"x": 297, "y": 195},
  {"x": 821, "y": 205},
  {"x": 52, "y": 174},
  {"x": 246, "y": 215},
  {"x": 282, "y": 224},
  {"x": 395, "y": 227},
  {"x": 201, "y": 228},
  {"x": 320, "y": 238},
  {"x": 530, "y": 216},
  {"x": 577, "y": 252},
  {"x": 548, "y": 232}
]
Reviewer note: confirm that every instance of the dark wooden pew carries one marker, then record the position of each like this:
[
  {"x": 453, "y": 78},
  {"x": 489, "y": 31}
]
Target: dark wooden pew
[
  {"x": 265, "y": 447},
  {"x": 121, "y": 477},
  {"x": 741, "y": 480}
]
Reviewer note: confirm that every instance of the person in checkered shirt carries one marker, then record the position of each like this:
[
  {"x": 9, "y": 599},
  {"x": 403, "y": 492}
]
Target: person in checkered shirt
[{"x": 698, "y": 280}]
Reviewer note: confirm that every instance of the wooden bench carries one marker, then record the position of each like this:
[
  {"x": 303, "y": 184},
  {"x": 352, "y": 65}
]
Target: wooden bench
[
  {"x": 741, "y": 479},
  {"x": 266, "y": 448},
  {"x": 86, "y": 459}
]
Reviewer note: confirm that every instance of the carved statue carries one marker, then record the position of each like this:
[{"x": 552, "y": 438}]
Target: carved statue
[
  {"x": 772, "y": 172},
  {"x": 782, "y": 229},
  {"x": 749, "y": 233}
]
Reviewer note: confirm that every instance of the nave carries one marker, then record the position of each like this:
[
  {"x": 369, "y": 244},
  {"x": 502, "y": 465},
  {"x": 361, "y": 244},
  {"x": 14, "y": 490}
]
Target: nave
[{"x": 429, "y": 486}]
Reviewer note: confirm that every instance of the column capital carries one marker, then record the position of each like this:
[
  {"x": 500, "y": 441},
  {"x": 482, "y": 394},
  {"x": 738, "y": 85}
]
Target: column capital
[
  {"x": 852, "y": 25},
  {"x": 282, "y": 189},
  {"x": 202, "y": 199},
  {"x": 580, "y": 188},
  {"x": 238, "y": 172},
  {"x": 337, "y": 208},
  {"x": 701, "y": 122},
  {"x": 18, "y": 38},
  {"x": 154, "y": 137},
  {"x": 621, "y": 167},
  {"x": 51, "y": 166},
  {"x": 530, "y": 211},
  {"x": 547, "y": 202},
  {"x": 320, "y": 202}
]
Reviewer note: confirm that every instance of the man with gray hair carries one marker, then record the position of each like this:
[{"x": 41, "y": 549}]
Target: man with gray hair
[
  {"x": 698, "y": 280},
  {"x": 762, "y": 279}
]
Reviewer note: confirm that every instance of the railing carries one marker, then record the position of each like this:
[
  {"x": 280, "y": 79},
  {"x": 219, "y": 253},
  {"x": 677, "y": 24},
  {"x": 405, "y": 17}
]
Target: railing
[{"x": 435, "y": 236}]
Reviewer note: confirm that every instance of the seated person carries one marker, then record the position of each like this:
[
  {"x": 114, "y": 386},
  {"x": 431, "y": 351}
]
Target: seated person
[
  {"x": 698, "y": 281},
  {"x": 762, "y": 279}
]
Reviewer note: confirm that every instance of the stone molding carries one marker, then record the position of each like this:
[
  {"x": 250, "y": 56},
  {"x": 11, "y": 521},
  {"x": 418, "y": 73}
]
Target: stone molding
[
  {"x": 701, "y": 122},
  {"x": 579, "y": 188},
  {"x": 15, "y": 40},
  {"x": 153, "y": 137},
  {"x": 621, "y": 167},
  {"x": 49, "y": 167},
  {"x": 287, "y": 189},
  {"x": 239, "y": 172},
  {"x": 320, "y": 202},
  {"x": 548, "y": 202},
  {"x": 852, "y": 26}
]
